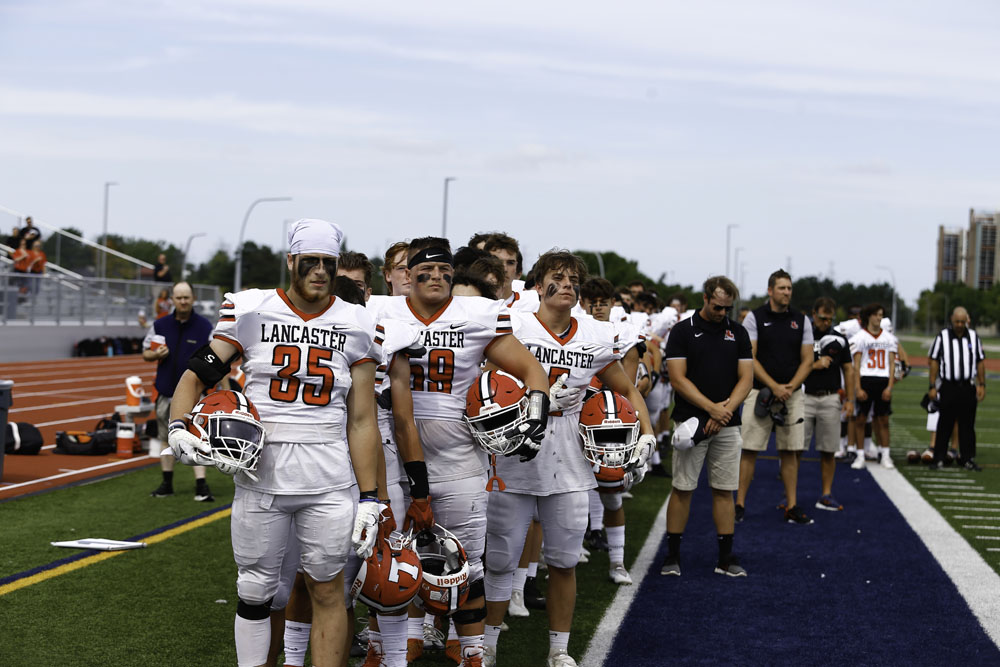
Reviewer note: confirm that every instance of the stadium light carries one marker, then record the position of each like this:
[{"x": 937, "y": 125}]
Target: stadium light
[
  {"x": 238, "y": 278},
  {"x": 729, "y": 228},
  {"x": 444, "y": 208},
  {"x": 104, "y": 236},
  {"x": 895, "y": 324},
  {"x": 184, "y": 257}
]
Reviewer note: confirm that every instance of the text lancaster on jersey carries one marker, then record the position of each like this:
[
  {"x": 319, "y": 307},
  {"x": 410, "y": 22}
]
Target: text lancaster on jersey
[{"x": 300, "y": 333}]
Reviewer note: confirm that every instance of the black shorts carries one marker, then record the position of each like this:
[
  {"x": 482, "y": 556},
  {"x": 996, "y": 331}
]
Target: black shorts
[{"x": 874, "y": 386}]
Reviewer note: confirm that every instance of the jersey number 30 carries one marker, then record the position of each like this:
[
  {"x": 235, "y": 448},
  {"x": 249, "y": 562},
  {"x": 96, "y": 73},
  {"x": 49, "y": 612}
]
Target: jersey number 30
[{"x": 285, "y": 387}]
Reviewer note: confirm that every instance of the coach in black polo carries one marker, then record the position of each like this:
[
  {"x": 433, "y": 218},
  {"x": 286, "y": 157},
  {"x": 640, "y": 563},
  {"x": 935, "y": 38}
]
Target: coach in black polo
[
  {"x": 782, "y": 340},
  {"x": 710, "y": 363},
  {"x": 958, "y": 361},
  {"x": 832, "y": 370}
]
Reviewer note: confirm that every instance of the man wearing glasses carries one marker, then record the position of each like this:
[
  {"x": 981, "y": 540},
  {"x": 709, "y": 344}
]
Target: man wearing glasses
[
  {"x": 782, "y": 340},
  {"x": 710, "y": 363},
  {"x": 832, "y": 369}
]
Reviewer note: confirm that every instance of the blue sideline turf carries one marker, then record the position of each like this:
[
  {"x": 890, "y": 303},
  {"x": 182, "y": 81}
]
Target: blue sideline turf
[{"x": 884, "y": 600}]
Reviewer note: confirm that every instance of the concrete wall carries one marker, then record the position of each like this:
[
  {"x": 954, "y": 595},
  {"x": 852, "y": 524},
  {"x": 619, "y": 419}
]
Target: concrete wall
[{"x": 40, "y": 342}]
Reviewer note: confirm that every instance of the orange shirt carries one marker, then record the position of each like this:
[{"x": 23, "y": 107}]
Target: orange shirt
[
  {"x": 36, "y": 261},
  {"x": 22, "y": 259}
]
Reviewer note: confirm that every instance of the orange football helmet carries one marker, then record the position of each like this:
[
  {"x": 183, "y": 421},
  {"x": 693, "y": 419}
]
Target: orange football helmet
[
  {"x": 495, "y": 404},
  {"x": 613, "y": 480},
  {"x": 391, "y": 576},
  {"x": 609, "y": 428},
  {"x": 445, "y": 584},
  {"x": 231, "y": 426}
]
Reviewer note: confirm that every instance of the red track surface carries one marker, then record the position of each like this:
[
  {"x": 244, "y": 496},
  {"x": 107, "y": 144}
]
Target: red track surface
[{"x": 67, "y": 395}]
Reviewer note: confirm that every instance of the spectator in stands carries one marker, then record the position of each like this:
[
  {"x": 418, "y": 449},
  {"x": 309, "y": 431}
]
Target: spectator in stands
[
  {"x": 161, "y": 272},
  {"x": 29, "y": 232},
  {"x": 36, "y": 265},
  {"x": 162, "y": 306},
  {"x": 184, "y": 332},
  {"x": 22, "y": 261},
  {"x": 15, "y": 237}
]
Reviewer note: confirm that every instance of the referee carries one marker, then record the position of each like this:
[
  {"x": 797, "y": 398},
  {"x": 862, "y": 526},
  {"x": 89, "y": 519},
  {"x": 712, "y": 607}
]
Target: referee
[{"x": 957, "y": 360}]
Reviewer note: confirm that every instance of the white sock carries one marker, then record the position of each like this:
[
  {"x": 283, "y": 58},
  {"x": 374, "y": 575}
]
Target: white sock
[
  {"x": 492, "y": 635},
  {"x": 472, "y": 645},
  {"x": 616, "y": 544},
  {"x": 868, "y": 444},
  {"x": 453, "y": 634},
  {"x": 853, "y": 449},
  {"x": 558, "y": 640},
  {"x": 375, "y": 641},
  {"x": 393, "y": 629},
  {"x": 296, "y": 642},
  {"x": 596, "y": 510},
  {"x": 884, "y": 451},
  {"x": 533, "y": 569},
  {"x": 415, "y": 628},
  {"x": 253, "y": 639},
  {"x": 520, "y": 574}
]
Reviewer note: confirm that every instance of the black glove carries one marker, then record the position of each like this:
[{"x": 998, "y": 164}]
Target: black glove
[{"x": 532, "y": 431}]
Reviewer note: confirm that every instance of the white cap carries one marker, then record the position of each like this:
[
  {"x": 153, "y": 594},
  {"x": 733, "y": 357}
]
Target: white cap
[
  {"x": 315, "y": 237},
  {"x": 684, "y": 434}
]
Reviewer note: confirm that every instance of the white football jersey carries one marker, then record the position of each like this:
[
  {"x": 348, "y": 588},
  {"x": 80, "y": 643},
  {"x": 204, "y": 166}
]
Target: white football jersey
[
  {"x": 628, "y": 336},
  {"x": 525, "y": 301},
  {"x": 663, "y": 321},
  {"x": 617, "y": 314},
  {"x": 298, "y": 369},
  {"x": 583, "y": 351},
  {"x": 849, "y": 327},
  {"x": 874, "y": 352}
]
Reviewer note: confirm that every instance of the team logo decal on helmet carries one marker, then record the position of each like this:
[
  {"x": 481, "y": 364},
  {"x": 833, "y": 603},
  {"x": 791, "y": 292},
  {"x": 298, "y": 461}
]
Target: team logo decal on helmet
[
  {"x": 445, "y": 584},
  {"x": 494, "y": 405},
  {"x": 231, "y": 426},
  {"x": 391, "y": 576}
]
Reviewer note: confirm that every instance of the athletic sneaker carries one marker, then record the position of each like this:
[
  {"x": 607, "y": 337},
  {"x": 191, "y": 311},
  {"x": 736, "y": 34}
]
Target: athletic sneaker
[
  {"x": 887, "y": 462},
  {"x": 533, "y": 598},
  {"x": 740, "y": 511},
  {"x": 516, "y": 607},
  {"x": 584, "y": 555},
  {"x": 796, "y": 515},
  {"x": 433, "y": 638},
  {"x": 359, "y": 644},
  {"x": 560, "y": 658},
  {"x": 595, "y": 541},
  {"x": 627, "y": 495},
  {"x": 671, "y": 566},
  {"x": 202, "y": 494},
  {"x": 828, "y": 502},
  {"x": 971, "y": 465},
  {"x": 859, "y": 462},
  {"x": 619, "y": 574},
  {"x": 164, "y": 490},
  {"x": 730, "y": 566},
  {"x": 504, "y": 627},
  {"x": 489, "y": 656}
]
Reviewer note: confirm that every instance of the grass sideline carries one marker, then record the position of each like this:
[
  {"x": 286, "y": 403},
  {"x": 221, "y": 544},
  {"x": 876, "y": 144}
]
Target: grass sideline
[{"x": 173, "y": 603}]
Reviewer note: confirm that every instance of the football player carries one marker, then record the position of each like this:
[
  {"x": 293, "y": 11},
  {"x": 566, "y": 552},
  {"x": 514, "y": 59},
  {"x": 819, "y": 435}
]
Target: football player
[
  {"x": 446, "y": 469},
  {"x": 310, "y": 361},
  {"x": 556, "y": 483},
  {"x": 505, "y": 248},
  {"x": 874, "y": 351}
]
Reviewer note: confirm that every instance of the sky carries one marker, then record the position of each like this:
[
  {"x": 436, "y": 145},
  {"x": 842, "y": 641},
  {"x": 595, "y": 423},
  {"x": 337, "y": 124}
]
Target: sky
[{"x": 837, "y": 136}]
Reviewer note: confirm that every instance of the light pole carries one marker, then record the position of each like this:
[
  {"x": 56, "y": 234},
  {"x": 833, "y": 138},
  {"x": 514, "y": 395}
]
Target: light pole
[
  {"x": 729, "y": 229},
  {"x": 184, "y": 257},
  {"x": 600, "y": 263},
  {"x": 895, "y": 324},
  {"x": 444, "y": 208},
  {"x": 736, "y": 261},
  {"x": 104, "y": 237},
  {"x": 238, "y": 278}
]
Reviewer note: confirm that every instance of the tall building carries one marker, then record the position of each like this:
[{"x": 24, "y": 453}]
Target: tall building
[
  {"x": 981, "y": 249},
  {"x": 949, "y": 256}
]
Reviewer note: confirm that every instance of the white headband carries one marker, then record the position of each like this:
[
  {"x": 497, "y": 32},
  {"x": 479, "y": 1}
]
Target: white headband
[{"x": 314, "y": 237}]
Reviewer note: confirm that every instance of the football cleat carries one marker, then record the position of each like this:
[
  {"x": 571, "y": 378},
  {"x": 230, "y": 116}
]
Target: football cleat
[
  {"x": 730, "y": 566},
  {"x": 433, "y": 638},
  {"x": 619, "y": 575},
  {"x": 859, "y": 461},
  {"x": 671, "y": 566},
  {"x": 516, "y": 607},
  {"x": 887, "y": 462},
  {"x": 560, "y": 658},
  {"x": 164, "y": 490}
]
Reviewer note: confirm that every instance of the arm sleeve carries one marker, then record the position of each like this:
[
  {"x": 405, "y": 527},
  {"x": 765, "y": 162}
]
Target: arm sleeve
[
  {"x": 750, "y": 324},
  {"x": 807, "y": 332}
]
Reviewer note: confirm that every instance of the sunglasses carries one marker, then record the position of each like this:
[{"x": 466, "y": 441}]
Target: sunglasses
[{"x": 721, "y": 309}]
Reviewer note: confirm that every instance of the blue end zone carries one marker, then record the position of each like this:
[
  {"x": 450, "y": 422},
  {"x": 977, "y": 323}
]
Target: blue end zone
[{"x": 883, "y": 600}]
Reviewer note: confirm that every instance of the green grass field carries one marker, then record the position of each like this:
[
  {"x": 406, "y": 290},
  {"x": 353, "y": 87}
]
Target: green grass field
[{"x": 173, "y": 603}]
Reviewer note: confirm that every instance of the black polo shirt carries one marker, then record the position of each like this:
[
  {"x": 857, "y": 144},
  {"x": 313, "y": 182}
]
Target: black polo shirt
[
  {"x": 828, "y": 379},
  {"x": 780, "y": 337},
  {"x": 713, "y": 353}
]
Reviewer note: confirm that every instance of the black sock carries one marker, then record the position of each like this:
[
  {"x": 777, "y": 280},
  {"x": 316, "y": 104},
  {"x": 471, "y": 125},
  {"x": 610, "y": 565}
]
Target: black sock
[
  {"x": 725, "y": 545},
  {"x": 200, "y": 482},
  {"x": 674, "y": 544},
  {"x": 168, "y": 477}
]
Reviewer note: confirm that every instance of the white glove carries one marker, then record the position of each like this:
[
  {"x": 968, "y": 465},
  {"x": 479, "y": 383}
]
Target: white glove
[
  {"x": 562, "y": 397},
  {"x": 643, "y": 450},
  {"x": 365, "y": 527},
  {"x": 188, "y": 448}
]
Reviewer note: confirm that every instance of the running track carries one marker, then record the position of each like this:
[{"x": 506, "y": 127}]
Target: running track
[{"x": 67, "y": 395}]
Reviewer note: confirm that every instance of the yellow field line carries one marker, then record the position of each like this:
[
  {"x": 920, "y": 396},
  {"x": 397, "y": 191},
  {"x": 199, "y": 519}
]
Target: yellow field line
[{"x": 104, "y": 555}]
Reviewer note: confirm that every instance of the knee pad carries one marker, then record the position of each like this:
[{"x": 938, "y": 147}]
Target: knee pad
[
  {"x": 611, "y": 501},
  {"x": 254, "y": 611},
  {"x": 469, "y": 616},
  {"x": 498, "y": 586}
]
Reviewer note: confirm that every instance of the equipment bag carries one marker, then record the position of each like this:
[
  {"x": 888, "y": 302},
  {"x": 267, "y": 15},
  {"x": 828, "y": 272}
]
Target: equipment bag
[
  {"x": 97, "y": 443},
  {"x": 23, "y": 438}
]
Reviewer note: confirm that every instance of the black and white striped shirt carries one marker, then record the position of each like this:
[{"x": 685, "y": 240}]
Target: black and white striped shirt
[{"x": 958, "y": 357}]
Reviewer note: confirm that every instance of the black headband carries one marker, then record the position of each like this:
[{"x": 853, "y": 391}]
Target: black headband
[{"x": 431, "y": 255}]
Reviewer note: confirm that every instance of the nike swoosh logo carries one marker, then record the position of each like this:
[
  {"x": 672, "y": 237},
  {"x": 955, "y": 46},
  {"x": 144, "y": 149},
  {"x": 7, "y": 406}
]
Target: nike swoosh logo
[
  {"x": 456, "y": 326},
  {"x": 699, "y": 335},
  {"x": 431, "y": 256},
  {"x": 767, "y": 324}
]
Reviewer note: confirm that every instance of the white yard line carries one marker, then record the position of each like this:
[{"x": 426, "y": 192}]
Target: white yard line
[
  {"x": 975, "y": 580},
  {"x": 958, "y": 493},
  {"x": 951, "y": 486}
]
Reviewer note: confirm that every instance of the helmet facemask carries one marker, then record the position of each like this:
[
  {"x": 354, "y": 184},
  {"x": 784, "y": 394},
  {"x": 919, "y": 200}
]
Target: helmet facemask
[
  {"x": 236, "y": 439},
  {"x": 610, "y": 444},
  {"x": 491, "y": 426}
]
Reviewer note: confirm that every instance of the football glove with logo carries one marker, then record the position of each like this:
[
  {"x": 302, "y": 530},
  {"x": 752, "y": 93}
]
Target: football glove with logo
[
  {"x": 419, "y": 515},
  {"x": 562, "y": 397},
  {"x": 365, "y": 524},
  {"x": 643, "y": 450},
  {"x": 186, "y": 447}
]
